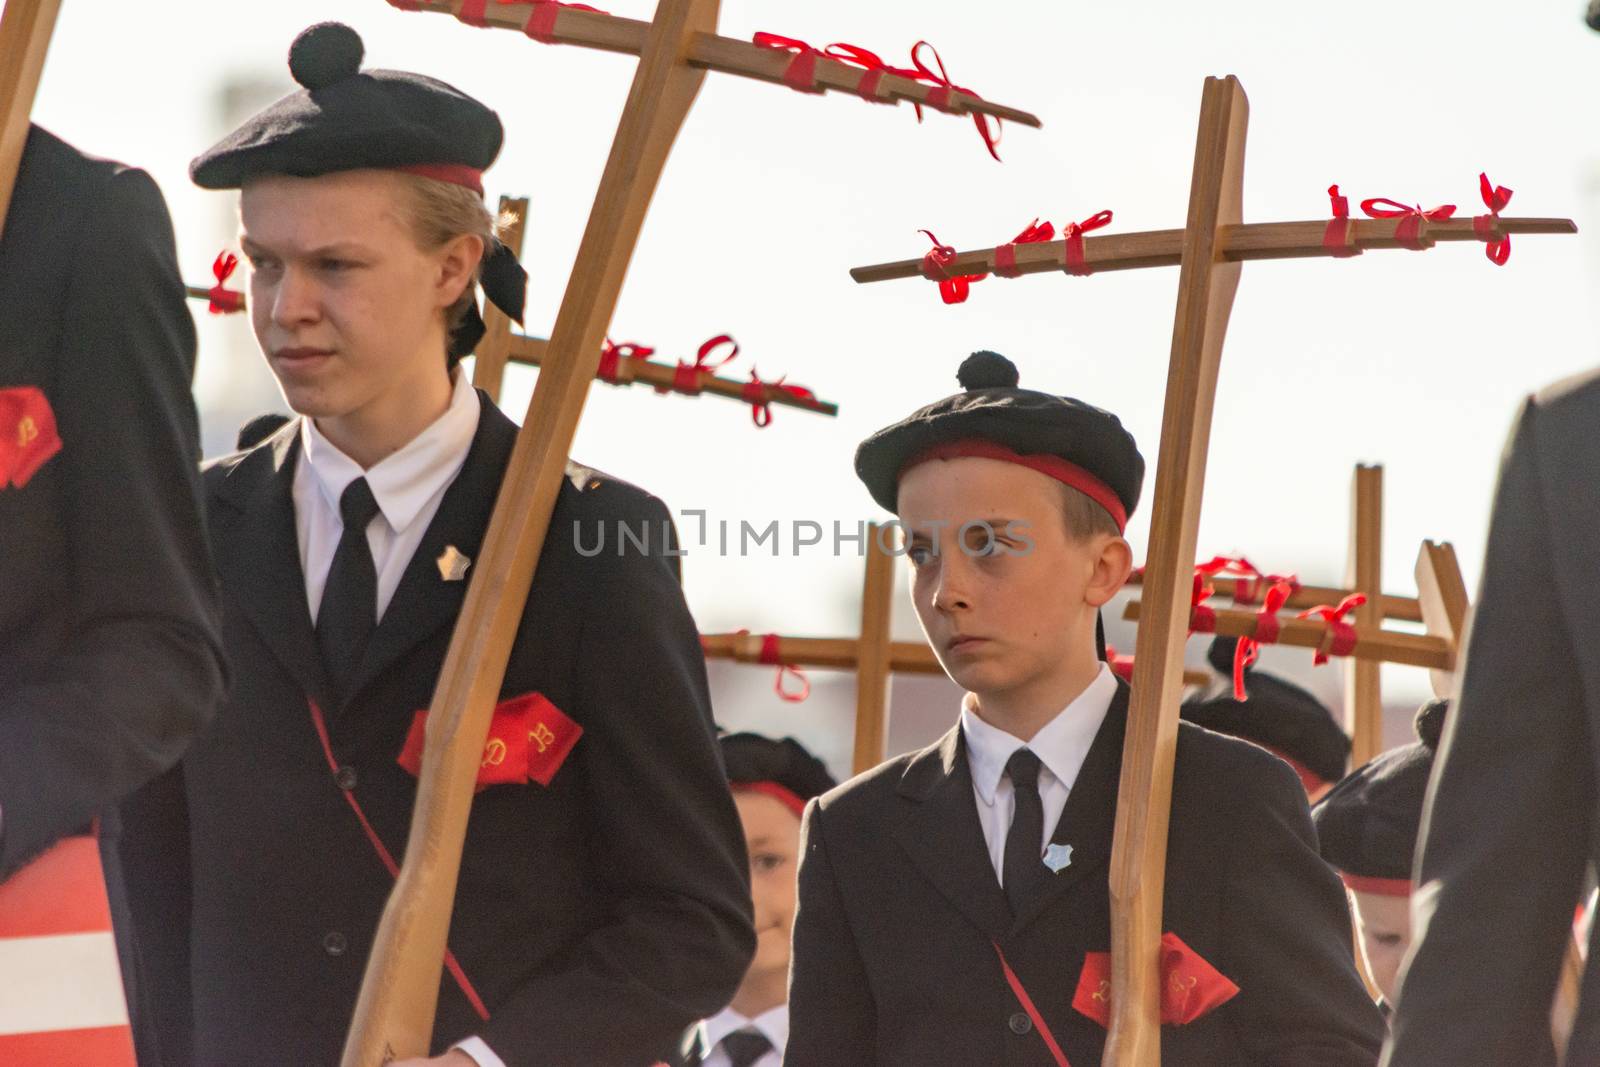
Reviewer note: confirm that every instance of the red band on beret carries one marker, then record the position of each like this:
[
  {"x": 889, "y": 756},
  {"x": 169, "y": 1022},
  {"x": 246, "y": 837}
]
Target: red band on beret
[
  {"x": 1310, "y": 779},
  {"x": 1383, "y": 887},
  {"x": 455, "y": 174},
  {"x": 1061, "y": 470},
  {"x": 783, "y": 795}
]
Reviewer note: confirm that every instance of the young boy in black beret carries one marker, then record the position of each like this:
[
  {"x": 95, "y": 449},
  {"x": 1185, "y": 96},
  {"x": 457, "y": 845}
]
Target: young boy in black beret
[
  {"x": 771, "y": 783},
  {"x": 603, "y": 904},
  {"x": 954, "y": 906},
  {"x": 1367, "y": 828},
  {"x": 1278, "y": 715}
]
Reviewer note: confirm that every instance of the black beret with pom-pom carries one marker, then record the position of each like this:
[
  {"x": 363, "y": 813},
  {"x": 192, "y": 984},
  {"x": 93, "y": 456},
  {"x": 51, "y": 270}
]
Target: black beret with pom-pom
[
  {"x": 326, "y": 53},
  {"x": 753, "y": 758},
  {"x": 993, "y": 408}
]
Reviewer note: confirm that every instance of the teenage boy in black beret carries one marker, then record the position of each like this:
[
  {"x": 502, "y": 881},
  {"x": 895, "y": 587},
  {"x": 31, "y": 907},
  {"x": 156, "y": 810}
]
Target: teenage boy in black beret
[
  {"x": 603, "y": 902},
  {"x": 954, "y": 905}
]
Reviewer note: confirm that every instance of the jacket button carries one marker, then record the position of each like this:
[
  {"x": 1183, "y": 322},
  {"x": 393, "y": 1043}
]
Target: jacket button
[
  {"x": 1019, "y": 1023},
  {"x": 335, "y": 944},
  {"x": 345, "y": 778}
]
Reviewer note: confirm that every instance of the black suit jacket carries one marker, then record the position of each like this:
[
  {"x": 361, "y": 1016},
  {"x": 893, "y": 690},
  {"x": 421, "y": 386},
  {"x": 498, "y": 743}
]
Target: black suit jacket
[
  {"x": 110, "y": 651},
  {"x": 597, "y": 917},
  {"x": 894, "y": 959},
  {"x": 1509, "y": 823}
]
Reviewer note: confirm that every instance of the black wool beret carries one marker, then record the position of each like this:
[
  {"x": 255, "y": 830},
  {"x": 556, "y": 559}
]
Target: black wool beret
[
  {"x": 754, "y": 758},
  {"x": 1367, "y": 824},
  {"x": 1276, "y": 714},
  {"x": 345, "y": 118},
  {"x": 992, "y": 408}
]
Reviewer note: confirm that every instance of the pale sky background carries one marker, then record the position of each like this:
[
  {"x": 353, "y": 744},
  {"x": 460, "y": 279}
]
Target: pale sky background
[{"x": 1417, "y": 361}]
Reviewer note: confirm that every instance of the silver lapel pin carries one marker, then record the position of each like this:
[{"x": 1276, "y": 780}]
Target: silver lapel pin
[
  {"x": 1057, "y": 857},
  {"x": 453, "y": 564}
]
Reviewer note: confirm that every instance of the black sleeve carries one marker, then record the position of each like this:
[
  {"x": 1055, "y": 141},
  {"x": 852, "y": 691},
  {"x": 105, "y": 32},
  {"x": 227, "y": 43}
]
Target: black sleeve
[
  {"x": 144, "y": 670},
  {"x": 832, "y": 1021},
  {"x": 1301, "y": 1001},
  {"x": 1510, "y": 809},
  {"x": 667, "y": 846}
]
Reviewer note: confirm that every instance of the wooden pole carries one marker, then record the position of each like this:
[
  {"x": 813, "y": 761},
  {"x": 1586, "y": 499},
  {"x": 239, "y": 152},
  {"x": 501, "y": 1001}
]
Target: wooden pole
[
  {"x": 1206, "y": 287},
  {"x": 489, "y": 361},
  {"x": 399, "y": 994},
  {"x": 25, "y": 29},
  {"x": 1363, "y": 692},
  {"x": 873, "y": 654},
  {"x": 1443, "y": 596}
]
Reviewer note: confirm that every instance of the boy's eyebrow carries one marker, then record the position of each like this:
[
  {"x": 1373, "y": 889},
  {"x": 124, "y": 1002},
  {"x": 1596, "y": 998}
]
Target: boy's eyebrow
[{"x": 337, "y": 248}]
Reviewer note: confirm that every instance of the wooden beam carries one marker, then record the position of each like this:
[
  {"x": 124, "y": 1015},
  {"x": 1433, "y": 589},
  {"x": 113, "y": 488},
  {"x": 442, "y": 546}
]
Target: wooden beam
[
  {"x": 1403, "y": 608},
  {"x": 1206, "y": 287},
  {"x": 399, "y": 994},
  {"x": 530, "y": 351},
  {"x": 1363, "y": 691},
  {"x": 25, "y": 29},
  {"x": 489, "y": 361},
  {"x": 1443, "y": 595},
  {"x": 727, "y": 55},
  {"x": 872, "y": 654},
  {"x": 1238, "y": 242}
]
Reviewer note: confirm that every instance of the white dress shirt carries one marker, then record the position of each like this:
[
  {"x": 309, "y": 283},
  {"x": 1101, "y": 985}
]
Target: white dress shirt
[
  {"x": 774, "y": 1023},
  {"x": 407, "y": 485},
  {"x": 1062, "y": 746}
]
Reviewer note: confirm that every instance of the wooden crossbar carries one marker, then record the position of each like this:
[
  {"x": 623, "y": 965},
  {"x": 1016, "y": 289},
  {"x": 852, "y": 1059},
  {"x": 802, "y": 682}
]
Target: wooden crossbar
[
  {"x": 25, "y": 29},
  {"x": 1236, "y": 243},
  {"x": 1403, "y": 608},
  {"x": 728, "y": 55}
]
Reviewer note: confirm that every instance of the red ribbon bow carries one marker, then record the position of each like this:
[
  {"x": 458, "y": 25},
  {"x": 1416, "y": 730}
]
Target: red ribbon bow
[
  {"x": 869, "y": 88},
  {"x": 1247, "y": 585},
  {"x": 757, "y": 394},
  {"x": 1005, "y": 256},
  {"x": 1337, "y": 236},
  {"x": 1408, "y": 231},
  {"x": 1495, "y": 198},
  {"x": 801, "y": 74},
  {"x": 28, "y": 434},
  {"x": 1342, "y": 636},
  {"x": 688, "y": 377},
  {"x": 1190, "y": 986},
  {"x": 541, "y": 24},
  {"x": 953, "y": 288},
  {"x": 1202, "y": 618},
  {"x": 769, "y": 656},
  {"x": 940, "y": 97},
  {"x": 612, "y": 355},
  {"x": 1072, "y": 253},
  {"x": 224, "y": 301}
]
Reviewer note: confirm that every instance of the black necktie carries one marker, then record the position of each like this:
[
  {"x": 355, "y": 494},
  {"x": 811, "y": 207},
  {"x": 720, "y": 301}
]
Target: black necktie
[
  {"x": 350, "y": 599},
  {"x": 744, "y": 1047},
  {"x": 1024, "y": 870}
]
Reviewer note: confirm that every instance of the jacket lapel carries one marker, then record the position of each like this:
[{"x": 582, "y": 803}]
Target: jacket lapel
[
  {"x": 260, "y": 558},
  {"x": 424, "y": 600},
  {"x": 1088, "y": 820},
  {"x": 939, "y": 831}
]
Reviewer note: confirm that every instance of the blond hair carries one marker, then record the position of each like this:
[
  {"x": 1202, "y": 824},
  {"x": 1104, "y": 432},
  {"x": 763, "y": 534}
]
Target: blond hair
[
  {"x": 441, "y": 212},
  {"x": 1084, "y": 517}
]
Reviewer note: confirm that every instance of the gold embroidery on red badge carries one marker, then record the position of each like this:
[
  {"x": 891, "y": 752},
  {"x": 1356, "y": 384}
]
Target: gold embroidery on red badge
[
  {"x": 28, "y": 436},
  {"x": 529, "y": 740}
]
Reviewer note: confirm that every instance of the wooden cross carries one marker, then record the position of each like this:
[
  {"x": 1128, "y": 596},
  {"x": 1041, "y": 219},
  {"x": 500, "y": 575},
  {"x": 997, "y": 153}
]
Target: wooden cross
[
  {"x": 395, "y": 1013},
  {"x": 25, "y": 29},
  {"x": 1209, "y": 252}
]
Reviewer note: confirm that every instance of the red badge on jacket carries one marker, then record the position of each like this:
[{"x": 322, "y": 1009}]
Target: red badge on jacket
[
  {"x": 1190, "y": 987},
  {"x": 28, "y": 436},
  {"x": 529, "y": 739}
]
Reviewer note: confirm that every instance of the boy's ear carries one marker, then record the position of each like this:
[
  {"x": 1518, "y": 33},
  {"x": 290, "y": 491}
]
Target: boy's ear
[
  {"x": 1112, "y": 566},
  {"x": 458, "y": 267}
]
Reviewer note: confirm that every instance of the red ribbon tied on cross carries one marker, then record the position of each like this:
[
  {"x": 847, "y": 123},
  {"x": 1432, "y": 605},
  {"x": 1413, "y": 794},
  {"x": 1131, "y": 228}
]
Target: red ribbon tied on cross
[
  {"x": 1190, "y": 986},
  {"x": 1408, "y": 231},
  {"x": 871, "y": 84},
  {"x": 1337, "y": 236},
  {"x": 940, "y": 97},
  {"x": 688, "y": 378},
  {"x": 224, "y": 301},
  {"x": 953, "y": 288},
  {"x": 612, "y": 355},
  {"x": 1072, "y": 252},
  {"x": 770, "y": 657},
  {"x": 1005, "y": 256},
  {"x": 801, "y": 73},
  {"x": 1202, "y": 617},
  {"x": 541, "y": 24},
  {"x": 758, "y": 394},
  {"x": 1342, "y": 636},
  {"x": 1248, "y": 580},
  {"x": 1495, "y": 198},
  {"x": 1121, "y": 666}
]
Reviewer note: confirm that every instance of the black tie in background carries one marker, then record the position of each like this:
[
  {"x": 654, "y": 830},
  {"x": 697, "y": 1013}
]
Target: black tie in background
[
  {"x": 744, "y": 1047},
  {"x": 1024, "y": 870},
  {"x": 350, "y": 599}
]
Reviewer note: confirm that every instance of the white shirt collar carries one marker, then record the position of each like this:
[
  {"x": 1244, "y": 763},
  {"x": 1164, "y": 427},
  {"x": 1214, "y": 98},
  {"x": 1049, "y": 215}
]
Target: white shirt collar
[
  {"x": 1061, "y": 745},
  {"x": 774, "y": 1023},
  {"x": 404, "y": 482}
]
